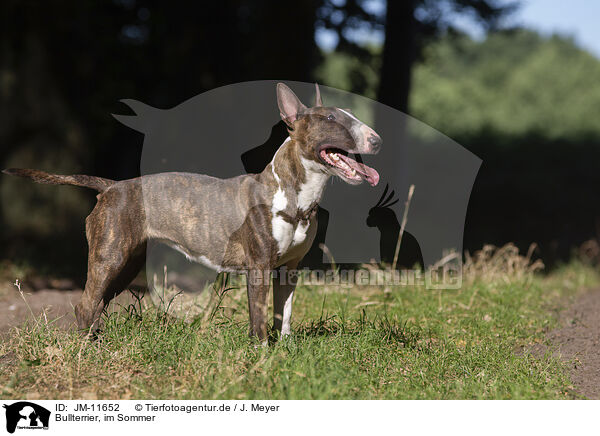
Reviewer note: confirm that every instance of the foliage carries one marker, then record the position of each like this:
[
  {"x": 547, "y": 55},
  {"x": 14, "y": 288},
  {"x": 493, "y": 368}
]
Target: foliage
[
  {"x": 408, "y": 26},
  {"x": 513, "y": 82},
  {"x": 336, "y": 68}
]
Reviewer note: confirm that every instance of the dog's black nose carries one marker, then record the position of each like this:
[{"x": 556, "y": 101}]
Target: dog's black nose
[{"x": 375, "y": 142}]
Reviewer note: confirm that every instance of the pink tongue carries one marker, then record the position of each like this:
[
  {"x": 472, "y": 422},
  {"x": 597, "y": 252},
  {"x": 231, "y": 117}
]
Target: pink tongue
[{"x": 367, "y": 173}]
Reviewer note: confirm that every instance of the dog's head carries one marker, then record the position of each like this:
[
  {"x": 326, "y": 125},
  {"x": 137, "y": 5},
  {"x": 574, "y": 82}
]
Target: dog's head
[{"x": 329, "y": 136}]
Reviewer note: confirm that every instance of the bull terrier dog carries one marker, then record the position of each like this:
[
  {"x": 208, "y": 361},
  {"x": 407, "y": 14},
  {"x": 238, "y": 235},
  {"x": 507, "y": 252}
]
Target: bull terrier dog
[{"x": 252, "y": 224}]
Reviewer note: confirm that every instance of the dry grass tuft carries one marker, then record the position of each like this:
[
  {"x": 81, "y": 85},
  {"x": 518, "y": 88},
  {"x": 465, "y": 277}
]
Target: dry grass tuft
[
  {"x": 500, "y": 263},
  {"x": 589, "y": 252}
]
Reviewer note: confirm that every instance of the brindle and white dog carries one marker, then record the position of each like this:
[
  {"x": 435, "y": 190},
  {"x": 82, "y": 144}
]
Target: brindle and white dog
[{"x": 252, "y": 223}]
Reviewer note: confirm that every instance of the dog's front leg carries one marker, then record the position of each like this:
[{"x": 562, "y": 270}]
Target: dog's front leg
[
  {"x": 283, "y": 292},
  {"x": 258, "y": 290}
]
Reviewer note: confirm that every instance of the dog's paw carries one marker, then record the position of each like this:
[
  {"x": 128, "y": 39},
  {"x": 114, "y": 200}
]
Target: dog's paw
[{"x": 263, "y": 344}]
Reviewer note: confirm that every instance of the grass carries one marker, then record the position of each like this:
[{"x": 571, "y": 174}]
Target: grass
[{"x": 358, "y": 343}]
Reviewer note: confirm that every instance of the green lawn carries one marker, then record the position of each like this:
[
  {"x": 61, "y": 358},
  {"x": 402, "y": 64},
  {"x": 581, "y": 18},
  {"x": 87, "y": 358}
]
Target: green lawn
[{"x": 359, "y": 343}]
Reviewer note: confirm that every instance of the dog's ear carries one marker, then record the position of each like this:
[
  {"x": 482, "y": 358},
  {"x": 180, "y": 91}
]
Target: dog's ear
[
  {"x": 318, "y": 101},
  {"x": 289, "y": 105}
]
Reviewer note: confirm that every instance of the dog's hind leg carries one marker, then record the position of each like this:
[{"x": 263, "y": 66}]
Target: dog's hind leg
[
  {"x": 89, "y": 309},
  {"x": 105, "y": 281},
  {"x": 117, "y": 249}
]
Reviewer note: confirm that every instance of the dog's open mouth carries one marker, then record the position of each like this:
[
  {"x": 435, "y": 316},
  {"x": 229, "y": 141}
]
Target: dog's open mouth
[{"x": 347, "y": 166}]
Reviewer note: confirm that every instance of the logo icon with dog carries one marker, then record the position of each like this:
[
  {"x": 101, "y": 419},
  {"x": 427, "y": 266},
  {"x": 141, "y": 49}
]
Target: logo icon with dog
[{"x": 26, "y": 415}]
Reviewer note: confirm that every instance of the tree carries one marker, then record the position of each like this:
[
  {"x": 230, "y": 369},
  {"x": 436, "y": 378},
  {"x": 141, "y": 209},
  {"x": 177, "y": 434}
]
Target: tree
[
  {"x": 409, "y": 25},
  {"x": 514, "y": 83},
  {"x": 64, "y": 67}
]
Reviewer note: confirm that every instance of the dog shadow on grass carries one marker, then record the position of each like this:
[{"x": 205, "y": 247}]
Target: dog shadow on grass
[{"x": 382, "y": 329}]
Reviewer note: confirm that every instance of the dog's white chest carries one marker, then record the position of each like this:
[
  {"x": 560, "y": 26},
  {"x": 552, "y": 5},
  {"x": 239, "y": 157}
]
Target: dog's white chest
[
  {"x": 294, "y": 241},
  {"x": 293, "y": 237},
  {"x": 300, "y": 233}
]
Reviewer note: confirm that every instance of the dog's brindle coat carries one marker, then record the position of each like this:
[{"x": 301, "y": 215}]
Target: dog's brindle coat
[{"x": 252, "y": 223}]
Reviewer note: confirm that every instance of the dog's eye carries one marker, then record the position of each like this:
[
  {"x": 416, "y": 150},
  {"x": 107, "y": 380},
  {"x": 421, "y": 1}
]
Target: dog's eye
[{"x": 330, "y": 117}]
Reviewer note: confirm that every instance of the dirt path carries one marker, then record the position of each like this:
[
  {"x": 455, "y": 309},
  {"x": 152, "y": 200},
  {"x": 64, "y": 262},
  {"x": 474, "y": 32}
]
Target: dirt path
[
  {"x": 58, "y": 305},
  {"x": 578, "y": 342}
]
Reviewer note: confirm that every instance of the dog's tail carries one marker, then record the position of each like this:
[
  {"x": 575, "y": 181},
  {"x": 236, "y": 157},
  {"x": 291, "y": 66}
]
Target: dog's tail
[{"x": 97, "y": 183}]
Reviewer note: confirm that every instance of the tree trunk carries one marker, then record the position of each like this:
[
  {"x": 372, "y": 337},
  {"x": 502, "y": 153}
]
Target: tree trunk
[{"x": 398, "y": 54}]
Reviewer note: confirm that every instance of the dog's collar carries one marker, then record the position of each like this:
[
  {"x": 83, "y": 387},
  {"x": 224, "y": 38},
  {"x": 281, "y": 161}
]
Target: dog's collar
[
  {"x": 300, "y": 215},
  {"x": 306, "y": 215}
]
